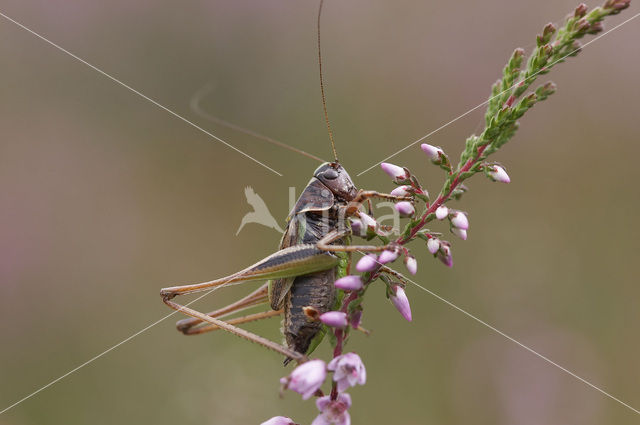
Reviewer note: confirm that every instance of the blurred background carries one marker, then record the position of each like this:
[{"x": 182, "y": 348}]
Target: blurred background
[{"x": 105, "y": 198}]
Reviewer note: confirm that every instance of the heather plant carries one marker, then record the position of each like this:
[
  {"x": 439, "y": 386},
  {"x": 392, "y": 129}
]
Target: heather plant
[{"x": 511, "y": 97}]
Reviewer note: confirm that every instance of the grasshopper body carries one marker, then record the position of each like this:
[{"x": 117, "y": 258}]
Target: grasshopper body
[
  {"x": 318, "y": 211},
  {"x": 314, "y": 252}
]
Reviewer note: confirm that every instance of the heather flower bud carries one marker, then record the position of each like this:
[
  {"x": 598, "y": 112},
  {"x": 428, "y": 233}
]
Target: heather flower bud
[
  {"x": 402, "y": 191},
  {"x": 401, "y": 302},
  {"x": 307, "y": 378},
  {"x": 279, "y": 420},
  {"x": 348, "y": 371},
  {"x": 336, "y": 319},
  {"x": 387, "y": 256},
  {"x": 580, "y": 11},
  {"x": 444, "y": 254},
  {"x": 461, "y": 233},
  {"x": 498, "y": 174},
  {"x": 442, "y": 212},
  {"x": 333, "y": 411},
  {"x": 595, "y": 28},
  {"x": 405, "y": 208},
  {"x": 433, "y": 245},
  {"x": 576, "y": 47},
  {"x": 349, "y": 283},
  {"x": 411, "y": 263},
  {"x": 582, "y": 24},
  {"x": 395, "y": 172},
  {"x": 356, "y": 226},
  {"x": 459, "y": 220},
  {"x": 368, "y": 222},
  {"x": 367, "y": 263},
  {"x": 616, "y": 5},
  {"x": 432, "y": 152}
]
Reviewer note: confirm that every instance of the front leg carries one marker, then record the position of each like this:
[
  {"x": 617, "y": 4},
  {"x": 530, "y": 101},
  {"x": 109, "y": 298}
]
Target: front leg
[
  {"x": 324, "y": 244},
  {"x": 366, "y": 195}
]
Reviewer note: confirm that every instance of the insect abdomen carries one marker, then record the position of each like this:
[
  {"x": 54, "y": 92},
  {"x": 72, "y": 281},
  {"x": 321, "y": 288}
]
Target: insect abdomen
[{"x": 312, "y": 290}]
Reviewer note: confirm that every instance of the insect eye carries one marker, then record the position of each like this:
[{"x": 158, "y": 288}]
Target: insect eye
[{"x": 330, "y": 174}]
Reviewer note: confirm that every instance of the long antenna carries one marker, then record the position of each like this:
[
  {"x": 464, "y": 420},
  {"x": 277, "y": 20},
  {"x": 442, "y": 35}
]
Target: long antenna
[
  {"x": 195, "y": 107},
  {"x": 324, "y": 101}
]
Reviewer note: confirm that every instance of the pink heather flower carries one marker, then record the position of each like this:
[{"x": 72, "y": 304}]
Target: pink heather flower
[
  {"x": 432, "y": 152},
  {"x": 405, "y": 208},
  {"x": 333, "y": 411},
  {"x": 395, "y": 172},
  {"x": 349, "y": 283},
  {"x": 411, "y": 263},
  {"x": 461, "y": 233},
  {"x": 498, "y": 174},
  {"x": 433, "y": 245},
  {"x": 460, "y": 220},
  {"x": 356, "y": 226},
  {"x": 401, "y": 302},
  {"x": 401, "y": 191},
  {"x": 335, "y": 319},
  {"x": 279, "y": 420},
  {"x": 444, "y": 254},
  {"x": 368, "y": 222},
  {"x": 367, "y": 263},
  {"x": 307, "y": 378},
  {"x": 387, "y": 256},
  {"x": 348, "y": 371},
  {"x": 442, "y": 212}
]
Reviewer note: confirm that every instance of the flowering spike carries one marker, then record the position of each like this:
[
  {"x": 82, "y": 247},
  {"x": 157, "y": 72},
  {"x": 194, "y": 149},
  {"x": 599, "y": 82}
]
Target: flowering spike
[
  {"x": 411, "y": 263},
  {"x": 349, "y": 371},
  {"x": 387, "y": 256},
  {"x": 401, "y": 191},
  {"x": 401, "y": 302},
  {"x": 433, "y": 245},
  {"x": 405, "y": 208},
  {"x": 335, "y": 319},
  {"x": 498, "y": 174},
  {"x": 307, "y": 378},
  {"x": 395, "y": 172},
  {"x": 349, "y": 283},
  {"x": 461, "y": 233},
  {"x": 367, "y": 263},
  {"x": 279, "y": 420},
  {"x": 459, "y": 220},
  {"x": 333, "y": 411},
  {"x": 442, "y": 212}
]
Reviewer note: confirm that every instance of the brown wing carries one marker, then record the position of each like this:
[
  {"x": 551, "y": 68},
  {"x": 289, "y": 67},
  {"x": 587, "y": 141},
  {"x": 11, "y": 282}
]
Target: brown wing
[
  {"x": 315, "y": 197},
  {"x": 278, "y": 288}
]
